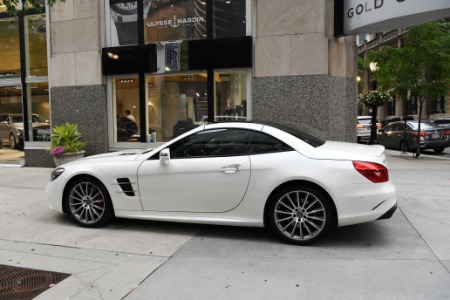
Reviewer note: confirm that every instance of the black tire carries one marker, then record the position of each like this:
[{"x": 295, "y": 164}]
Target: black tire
[
  {"x": 12, "y": 141},
  {"x": 439, "y": 150},
  {"x": 299, "y": 214},
  {"x": 404, "y": 146},
  {"x": 88, "y": 203}
]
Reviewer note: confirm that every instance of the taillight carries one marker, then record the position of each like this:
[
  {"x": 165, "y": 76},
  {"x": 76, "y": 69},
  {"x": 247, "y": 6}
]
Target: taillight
[
  {"x": 378, "y": 125},
  {"x": 447, "y": 132},
  {"x": 372, "y": 171},
  {"x": 359, "y": 126},
  {"x": 422, "y": 134}
]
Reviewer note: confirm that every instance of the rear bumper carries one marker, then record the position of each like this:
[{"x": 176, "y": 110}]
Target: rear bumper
[
  {"x": 389, "y": 213},
  {"x": 435, "y": 144}
]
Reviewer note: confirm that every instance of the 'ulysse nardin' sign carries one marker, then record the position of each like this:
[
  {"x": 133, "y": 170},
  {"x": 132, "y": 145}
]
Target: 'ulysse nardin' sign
[{"x": 368, "y": 16}]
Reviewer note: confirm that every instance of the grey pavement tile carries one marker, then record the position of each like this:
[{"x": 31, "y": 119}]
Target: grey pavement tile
[{"x": 283, "y": 278}]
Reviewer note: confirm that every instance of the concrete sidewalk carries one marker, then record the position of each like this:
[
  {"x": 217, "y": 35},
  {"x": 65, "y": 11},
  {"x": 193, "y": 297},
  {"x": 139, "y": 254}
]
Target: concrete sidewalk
[{"x": 405, "y": 257}]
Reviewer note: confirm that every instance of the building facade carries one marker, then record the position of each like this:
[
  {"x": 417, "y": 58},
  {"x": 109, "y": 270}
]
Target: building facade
[{"x": 175, "y": 64}]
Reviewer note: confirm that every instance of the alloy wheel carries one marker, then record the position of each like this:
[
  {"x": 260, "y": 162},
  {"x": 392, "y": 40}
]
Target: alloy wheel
[
  {"x": 87, "y": 203},
  {"x": 300, "y": 216}
]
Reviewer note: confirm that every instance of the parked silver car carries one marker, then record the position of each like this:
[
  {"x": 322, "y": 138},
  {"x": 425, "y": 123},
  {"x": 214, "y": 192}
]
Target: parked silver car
[
  {"x": 443, "y": 122},
  {"x": 11, "y": 125},
  {"x": 432, "y": 136},
  {"x": 363, "y": 124}
]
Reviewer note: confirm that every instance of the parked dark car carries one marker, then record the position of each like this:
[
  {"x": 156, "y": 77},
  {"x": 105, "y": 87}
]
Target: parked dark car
[
  {"x": 432, "y": 136},
  {"x": 391, "y": 119},
  {"x": 443, "y": 122}
]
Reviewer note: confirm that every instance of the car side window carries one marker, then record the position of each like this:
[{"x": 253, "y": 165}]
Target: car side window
[
  {"x": 388, "y": 128},
  {"x": 212, "y": 143},
  {"x": 399, "y": 127},
  {"x": 263, "y": 143}
]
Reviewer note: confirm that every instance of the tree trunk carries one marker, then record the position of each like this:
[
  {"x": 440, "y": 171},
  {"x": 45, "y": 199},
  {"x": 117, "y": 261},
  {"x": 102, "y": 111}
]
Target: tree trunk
[
  {"x": 373, "y": 126},
  {"x": 418, "y": 128}
]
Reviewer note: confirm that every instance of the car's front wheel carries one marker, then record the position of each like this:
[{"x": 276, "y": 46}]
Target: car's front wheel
[
  {"x": 88, "y": 203},
  {"x": 300, "y": 214},
  {"x": 12, "y": 141}
]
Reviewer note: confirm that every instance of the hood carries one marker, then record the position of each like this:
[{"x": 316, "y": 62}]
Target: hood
[
  {"x": 347, "y": 151},
  {"x": 126, "y": 155}
]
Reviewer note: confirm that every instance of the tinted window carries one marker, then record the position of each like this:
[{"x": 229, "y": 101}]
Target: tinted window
[
  {"x": 388, "y": 128},
  {"x": 16, "y": 119},
  {"x": 442, "y": 121},
  {"x": 304, "y": 136},
  {"x": 264, "y": 143},
  {"x": 219, "y": 142},
  {"x": 399, "y": 127}
]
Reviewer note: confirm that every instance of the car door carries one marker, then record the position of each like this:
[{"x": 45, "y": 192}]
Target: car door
[
  {"x": 386, "y": 136},
  {"x": 208, "y": 171}
]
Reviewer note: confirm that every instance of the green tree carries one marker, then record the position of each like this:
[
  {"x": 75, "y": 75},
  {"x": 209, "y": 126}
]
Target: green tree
[
  {"x": 13, "y": 6},
  {"x": 421, "y": 66}
]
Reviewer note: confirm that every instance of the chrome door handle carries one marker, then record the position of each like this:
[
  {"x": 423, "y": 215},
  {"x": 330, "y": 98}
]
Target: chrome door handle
[{"x": 231, "y": 169}]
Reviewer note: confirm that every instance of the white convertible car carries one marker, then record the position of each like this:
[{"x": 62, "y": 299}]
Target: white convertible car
[{"x": 243, "y": 174}]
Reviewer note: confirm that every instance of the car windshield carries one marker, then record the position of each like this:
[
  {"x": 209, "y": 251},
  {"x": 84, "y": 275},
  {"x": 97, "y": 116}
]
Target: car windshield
[
  {"x": 423, "y": 126},
  {"x": 306, "y": 137},
  {"x": 38, "y": 119},
  {"x": 16, "y": 119}
]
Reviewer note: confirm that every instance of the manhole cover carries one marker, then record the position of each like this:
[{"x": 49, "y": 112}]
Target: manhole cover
[{"x": 23, "y": 284}]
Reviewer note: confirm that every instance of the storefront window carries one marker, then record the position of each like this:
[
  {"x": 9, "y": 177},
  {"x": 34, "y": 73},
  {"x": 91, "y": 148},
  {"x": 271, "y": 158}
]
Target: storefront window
[
  {"x": 229, "y": 18},
  {"x": 175, "y": 20},
  {"x": 9, "y": 48},
  {"x": 36, "y": 44},
  {"x": 175, "y": 104},
  {"x": 124, "y": 21},
  {"x": 39, "y": 112},
  {"x": 127, "y": 116},
  {"x": 231, "y": 95}
]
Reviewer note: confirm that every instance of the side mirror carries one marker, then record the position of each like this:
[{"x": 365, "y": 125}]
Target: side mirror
[{"x": 164, "y": 156}]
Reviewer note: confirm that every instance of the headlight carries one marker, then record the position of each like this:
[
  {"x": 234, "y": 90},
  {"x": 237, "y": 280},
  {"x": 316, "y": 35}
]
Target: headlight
[{"x": 55, "y": 173}]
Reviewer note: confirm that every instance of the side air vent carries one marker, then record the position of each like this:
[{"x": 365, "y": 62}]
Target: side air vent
[{"x": 126, "y": 186}]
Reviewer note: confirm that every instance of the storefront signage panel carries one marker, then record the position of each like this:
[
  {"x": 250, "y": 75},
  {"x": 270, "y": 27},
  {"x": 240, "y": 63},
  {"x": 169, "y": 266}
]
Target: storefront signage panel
[
  {"x": 371, "y": 16},
  {"x": 175, "y": 20}
]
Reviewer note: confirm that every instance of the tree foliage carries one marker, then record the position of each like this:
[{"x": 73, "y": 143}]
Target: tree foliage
[
  {"x": 14, "y": 6},
  {"x": 421, "y": 67}
]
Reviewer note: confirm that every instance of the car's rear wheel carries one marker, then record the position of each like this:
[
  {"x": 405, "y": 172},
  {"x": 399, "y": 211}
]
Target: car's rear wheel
[
  {"x": 439, "y": 150},
  {"x": 404, "y": 146},
  {"x": 88, "y": 203},
  {"x": 299, "y": 214},
  {"x": 12, "y": 141}
]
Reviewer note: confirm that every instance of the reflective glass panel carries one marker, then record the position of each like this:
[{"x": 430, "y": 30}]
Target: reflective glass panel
[
  {"x": 36, "y": 43},
  {"x": 124, "y": 26},
  {"x": 127, "y": 116},
  {"x": 230, "y": 95},
  {"x": 175, "y": 104},
  {"x": 170, "y": 20},
  {"x": 9, "y": 48},
  {"x": 39, "y": 112}
]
